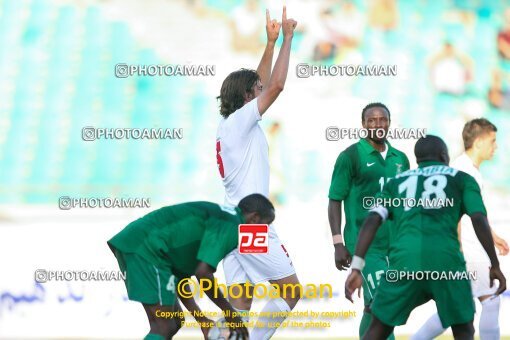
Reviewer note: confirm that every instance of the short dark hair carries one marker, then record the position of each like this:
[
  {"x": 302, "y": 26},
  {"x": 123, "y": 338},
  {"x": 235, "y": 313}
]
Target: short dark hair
[
  {"x": 257, "y": 203},
  {"x": 234, "y": 89},
  {"x": 474, "y": 129},
  {"x": 372, "y": 105},
  {"x": 429, "y": 148}
]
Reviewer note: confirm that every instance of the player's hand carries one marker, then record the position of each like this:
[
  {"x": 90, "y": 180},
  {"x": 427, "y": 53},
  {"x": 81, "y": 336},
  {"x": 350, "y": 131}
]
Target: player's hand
[
  {"x": 495, "y": 273},
  {"x": 501, "y": 245},
  {"x": 288, "y": 25},
  {"x": 237, "y": 332},
  {"x": 272, "y": 28},
  {"x": 342, "y": 257},
  {"x": 206, "y": 325},
  {"x": 353, "y": 282}
]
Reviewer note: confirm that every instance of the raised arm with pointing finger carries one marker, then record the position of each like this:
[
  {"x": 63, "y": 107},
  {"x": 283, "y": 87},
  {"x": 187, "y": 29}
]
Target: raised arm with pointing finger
[{"x": 277, "y": 78}]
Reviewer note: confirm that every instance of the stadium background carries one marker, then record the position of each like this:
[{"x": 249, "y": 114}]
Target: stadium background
[{"x": 57, "y": 63}]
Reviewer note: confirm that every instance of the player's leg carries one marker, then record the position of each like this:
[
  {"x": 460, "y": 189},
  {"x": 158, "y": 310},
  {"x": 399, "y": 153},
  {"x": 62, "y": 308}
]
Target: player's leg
[
  {"x": 275, "y": 267},
  {"x": 155, "y": 288},
  {"x": 375, "y": 267},
  {"x": 392, "y": 305},
  {"x": 489, "y": 317},
  {"x": 377, "y": 330},
  {"x": 431, "y": 328},
  {"x": 277, "y": 308},
  {"x": 289, "y": 288},
  {"x": 162, "y": 327},
  {"x": 455, "y": 304},
  {"x": 241, "y": 302},
  {"x": 464, "y": 331},
  {"x": 235, "y": 277}
]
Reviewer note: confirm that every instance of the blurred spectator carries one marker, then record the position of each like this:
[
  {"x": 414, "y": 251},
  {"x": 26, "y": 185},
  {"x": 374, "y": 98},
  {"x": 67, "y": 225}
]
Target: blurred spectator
[
  {"x": 499, "y": 94},
  {"x": 504, "y": 37},
  {"x": 338, "y": 28},
  {"x": 325, "y": 47},
  {"x": 247, "y": 24},
  {"x": 347, "y": 25},
  {"x": 451, "y": 70},
  {"x": 383, "y": 15}
]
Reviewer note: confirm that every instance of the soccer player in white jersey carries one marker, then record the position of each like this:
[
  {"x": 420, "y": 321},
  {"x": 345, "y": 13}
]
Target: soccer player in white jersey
[
  {"x": 243, "y": 163},
  {"x": 479, "y": 137}
]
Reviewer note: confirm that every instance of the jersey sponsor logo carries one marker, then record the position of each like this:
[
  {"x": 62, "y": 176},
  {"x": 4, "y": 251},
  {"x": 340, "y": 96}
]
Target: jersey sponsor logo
[
  {"x": 370, "y": 164},
  {"x": 253, "y": 239},
  {"x": 399, "y": 167}
]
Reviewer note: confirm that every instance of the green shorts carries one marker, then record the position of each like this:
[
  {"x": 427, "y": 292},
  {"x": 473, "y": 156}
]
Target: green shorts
[
  {"x": 145, "y": 282},
  {"x": 394, "y": 301},
  {"x": 375, "y": 266}
]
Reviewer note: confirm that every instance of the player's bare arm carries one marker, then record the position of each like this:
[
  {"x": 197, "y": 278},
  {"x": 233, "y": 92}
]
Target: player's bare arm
[
  {"x": 500, "y": 243},
  {"x": 342, "y": 255},
  {"x": 278, "y": 77},
  {"x": 365, "y": 238},
  {"x": 192, "y": 306},
  {"x": 273, "y": 31},
  {"x": 483, "y": 233},
  {"x": 205, "y": 272}
]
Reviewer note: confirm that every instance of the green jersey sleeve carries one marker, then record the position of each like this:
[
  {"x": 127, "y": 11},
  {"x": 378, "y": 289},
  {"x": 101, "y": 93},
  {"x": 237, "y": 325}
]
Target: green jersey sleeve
[
  {"x": 406, "y": 165},
  {"x": 341, "y": 180},
  {"x": 220, "y": 238},
  {"x": 472, "y": 201}
]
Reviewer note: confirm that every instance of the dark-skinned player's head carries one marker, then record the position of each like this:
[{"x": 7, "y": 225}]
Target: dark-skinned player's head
[
  {"x": 237, "y": 89},
  {"x": 257, "y": 209},
  {"x": 431, "y": 148},
  {"x": 479, "y": 136},
  {"x": 376, "y": 118}
]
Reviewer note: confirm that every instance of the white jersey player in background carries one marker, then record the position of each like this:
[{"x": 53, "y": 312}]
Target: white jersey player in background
[
  {"x": 243, "y": 162},
  {"x": 479, "y": 137}
]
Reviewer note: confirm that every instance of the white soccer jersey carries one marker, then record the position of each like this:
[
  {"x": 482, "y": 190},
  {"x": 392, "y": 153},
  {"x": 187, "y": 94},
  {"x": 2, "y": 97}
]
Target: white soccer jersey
[
  {"x": 471, "y": 247},
  {"x": 242, "y": 154}
]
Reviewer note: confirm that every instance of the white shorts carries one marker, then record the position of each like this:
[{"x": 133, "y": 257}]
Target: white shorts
[
  {"x": 255, "y": 268},
  {"x": 481, "y": 286}
]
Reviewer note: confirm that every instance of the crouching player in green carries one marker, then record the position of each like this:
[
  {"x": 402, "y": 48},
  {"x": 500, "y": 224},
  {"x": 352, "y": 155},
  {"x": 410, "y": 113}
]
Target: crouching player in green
[
  {"x": 426, "y": 263},
  {"x": 176, "y": 242}
]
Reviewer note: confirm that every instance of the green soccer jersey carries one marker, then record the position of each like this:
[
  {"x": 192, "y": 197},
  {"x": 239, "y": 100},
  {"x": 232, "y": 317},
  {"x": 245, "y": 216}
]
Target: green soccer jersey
[
  {"x": 430, "y": 202},
  {"x": 361, "y": 171},
  {"x": 178, "y": 237}
]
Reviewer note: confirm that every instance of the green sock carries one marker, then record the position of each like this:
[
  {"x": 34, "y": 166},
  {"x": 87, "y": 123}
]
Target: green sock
[
  {"x": 364, "y": 324},
  {"x": 152, "y": 336}
]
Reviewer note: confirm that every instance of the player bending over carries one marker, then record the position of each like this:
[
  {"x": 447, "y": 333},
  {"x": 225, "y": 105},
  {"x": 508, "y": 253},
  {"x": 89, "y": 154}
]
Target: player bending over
[
  {"x": 175, "y": 242},
  {"x": 243, "y": 163},
  {"x": 479, "y": 137},
  {"x": 426, "y": 240}
]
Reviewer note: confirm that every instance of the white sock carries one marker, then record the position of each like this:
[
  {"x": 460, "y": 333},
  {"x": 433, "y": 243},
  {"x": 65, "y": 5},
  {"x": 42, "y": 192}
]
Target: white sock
[
  {"x": 261, "y": 330},
  {"x": 489, "y": 319},
  {"x": 430, "y": 329}
]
